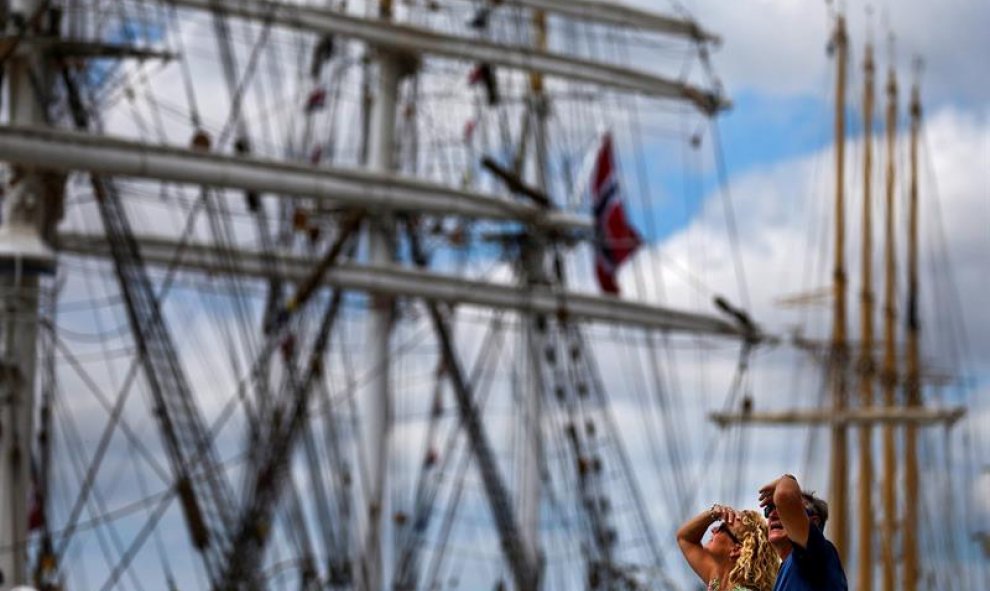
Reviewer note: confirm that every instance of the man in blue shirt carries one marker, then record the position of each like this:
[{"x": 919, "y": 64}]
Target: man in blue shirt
[{"x": 796, "y": 521}]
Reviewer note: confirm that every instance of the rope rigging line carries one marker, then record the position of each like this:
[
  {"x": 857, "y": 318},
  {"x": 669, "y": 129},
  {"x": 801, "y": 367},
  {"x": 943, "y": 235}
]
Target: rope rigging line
[
  {"x": 583, "y": 372},
  {"x": 599, "y": 391},
  {"x": 115, "y": 412},
  {"x": 293, "y": 512},
  {"x": 74, "y": 448},
  {"x": 138, "y": 542},
  {"x": 671, "y": 425},
  {"x": 741, "y": 461},
  {"x": 737, "y": 386},
  {"x": 118, "y": 407},
  {"x": 730, "y": 216},
  {"x": 112, "y": 421},
  {"x": 588, "y": 448},
  {"x": 163, "y": 557},
  {"x": 88, "y": 482},
  {"x": 222, "y": 238},
  {"x": 951, "y": 339},
  {"x": 431, "y": 476},
  {"x": 179, "y": 418},
  {"x": 100, "y": 518},
  {"x": 957, "y": 335},
  {"x": 525, "y": 573},
  {"x": 235, "y": 120},
  {"x": 567, "y": 459},
  {"x": 246, "y": 552},
  {"x": 457, "y": 455},
  {"x": 336, "y": 539}
]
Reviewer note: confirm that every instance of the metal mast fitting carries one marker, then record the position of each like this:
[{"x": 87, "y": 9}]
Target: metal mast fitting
[
  {"x": 29, "y": 196},
  {"x": 415, "y": 40}
]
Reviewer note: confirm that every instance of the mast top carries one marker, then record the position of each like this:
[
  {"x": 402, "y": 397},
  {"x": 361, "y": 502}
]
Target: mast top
[
  {"x": 915, "y": 108},
  {"x": 869, "y": 63}
]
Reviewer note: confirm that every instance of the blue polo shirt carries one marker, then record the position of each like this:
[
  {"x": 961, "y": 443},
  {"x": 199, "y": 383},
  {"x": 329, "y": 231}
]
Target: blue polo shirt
[{"x": 814, "y": 568}]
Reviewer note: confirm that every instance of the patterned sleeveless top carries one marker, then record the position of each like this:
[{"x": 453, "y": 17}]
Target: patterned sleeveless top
[{"x": 714, "y": 586}]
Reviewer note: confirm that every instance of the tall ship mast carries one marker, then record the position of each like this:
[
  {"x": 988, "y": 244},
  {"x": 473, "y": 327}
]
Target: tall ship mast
[
  {"x": 886, "y": 514},
  {"x": 367, "y": 295},
  {"x": 275, "y": 202}
]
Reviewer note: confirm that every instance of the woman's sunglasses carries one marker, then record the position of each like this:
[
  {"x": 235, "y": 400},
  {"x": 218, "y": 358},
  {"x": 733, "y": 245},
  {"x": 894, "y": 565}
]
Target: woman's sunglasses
[{"x": 723, "y": 528}]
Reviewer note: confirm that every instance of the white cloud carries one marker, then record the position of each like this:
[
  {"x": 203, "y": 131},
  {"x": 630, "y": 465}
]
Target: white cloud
[
  {"x": 784, "y": 217},
  {"x": 778, "y": 46},
  {"x": 783, "y": 211},
  {"x": 981, "y": 492}
]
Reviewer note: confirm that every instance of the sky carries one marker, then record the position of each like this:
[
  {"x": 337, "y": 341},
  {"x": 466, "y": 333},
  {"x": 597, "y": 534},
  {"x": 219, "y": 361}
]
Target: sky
[{"x": 777, "y": 142}]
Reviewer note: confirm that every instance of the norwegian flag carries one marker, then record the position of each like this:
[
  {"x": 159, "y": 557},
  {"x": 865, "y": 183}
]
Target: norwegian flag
[{"x": 615, "y": 239}]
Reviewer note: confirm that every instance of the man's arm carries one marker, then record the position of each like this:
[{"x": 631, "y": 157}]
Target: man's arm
[
  {"x": 689, "y": 538},
  {"x": 785, "y": 493}
]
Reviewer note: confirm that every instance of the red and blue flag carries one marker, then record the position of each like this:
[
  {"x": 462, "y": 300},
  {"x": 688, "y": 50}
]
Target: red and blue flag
[{"x": 615, "y": 238}]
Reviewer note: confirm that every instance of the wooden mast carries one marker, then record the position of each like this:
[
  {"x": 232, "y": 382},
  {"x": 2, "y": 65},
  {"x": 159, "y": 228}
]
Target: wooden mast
[
  {"x": 838, "y": 471},
  {"x": 888, "y": 376},
  {"x": 864, "y": 576},
  {"x": 912, "y": 382}
]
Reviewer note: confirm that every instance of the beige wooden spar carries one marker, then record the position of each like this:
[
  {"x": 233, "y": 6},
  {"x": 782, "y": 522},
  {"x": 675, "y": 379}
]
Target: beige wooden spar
[
  {"x": 888, "y": 376},
  {"x": 838, "y": 471},
  {"x": 912, "y": 383},
  {"x": 864, "y": 535}
]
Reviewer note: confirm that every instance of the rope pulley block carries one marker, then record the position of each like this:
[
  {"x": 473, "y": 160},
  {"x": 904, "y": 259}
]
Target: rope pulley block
[
  {"x": 288, "y": 346},
  {"x": 431, "y": 457},
  {"x": 201, "y": 141},
  {"x": 300, "y": 219}
]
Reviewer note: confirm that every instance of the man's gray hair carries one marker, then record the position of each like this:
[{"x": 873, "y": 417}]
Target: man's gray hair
[{"x": 818, "y": 506}]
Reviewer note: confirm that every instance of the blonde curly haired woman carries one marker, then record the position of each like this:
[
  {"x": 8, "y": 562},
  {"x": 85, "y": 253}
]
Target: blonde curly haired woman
[{"x": 737, "y": 556}]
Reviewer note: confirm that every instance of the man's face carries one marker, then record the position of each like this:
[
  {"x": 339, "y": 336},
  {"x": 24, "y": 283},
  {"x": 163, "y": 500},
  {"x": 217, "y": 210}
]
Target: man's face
[{"x": 775, "y": 529}]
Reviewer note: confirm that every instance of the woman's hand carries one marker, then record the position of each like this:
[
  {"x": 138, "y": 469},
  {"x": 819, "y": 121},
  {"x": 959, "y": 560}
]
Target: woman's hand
[
  {"x": 689, "y": 538},
  {"x": 723, "y": 513}
]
